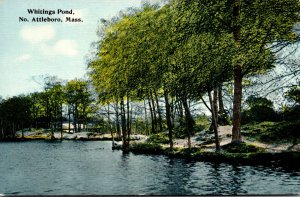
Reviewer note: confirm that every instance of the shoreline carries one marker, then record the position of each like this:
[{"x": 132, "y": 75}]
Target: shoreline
[
  {"x": 284, "y": 159},
  {"x": 261, "y": 156}
]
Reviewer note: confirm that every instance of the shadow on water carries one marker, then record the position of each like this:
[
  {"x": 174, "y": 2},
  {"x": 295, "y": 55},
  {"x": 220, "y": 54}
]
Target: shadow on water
[
  {"x": 124, "y": 160},
  {"x": 177, "y": 174},
  {"x": 227, "y": 179}
]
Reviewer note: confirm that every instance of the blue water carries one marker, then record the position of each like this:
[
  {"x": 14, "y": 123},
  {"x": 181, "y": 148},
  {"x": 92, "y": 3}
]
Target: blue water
[{"x": 70, "y": 167}]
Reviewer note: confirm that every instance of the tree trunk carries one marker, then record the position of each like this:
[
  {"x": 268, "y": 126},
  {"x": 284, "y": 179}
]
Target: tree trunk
[
  {"x": 237, "y": 97},
  {"x": 2, "y": 130},
  {"x": 123, "y": 123},
  {"x": 180, "y": 113},
  {"x": 35, "y": 117},
  {"x": 69, "y": 118},
  {"x": 152, "y": 116},
  {"x": 22, "y": 130},
  {"x": 84, "y": 117},
  {"x": 214, "y": 121},
  {"x": 117, "y": 120},
  {"x": 109, "y": 123},
  {"x": 215, "y": 103},
  {"x": 154, "y": 112},
  {"x": 158, "y": 112},
  {"x": 220, "y": 98},
  {"x": 189, "y": 122},
  {"x": 75, "y": 118},
  {"x": 78, "y": 120},
  {"x": 61, "y": 121},
  {"x": 14, "y": 130},
  {"x": 146, "y": 118},
  {"x": 52, "y": 132},
  {"x": 169, "y": 119},
  {"x": 237, "y": 102},
  {"x": 128, "y": 121}
]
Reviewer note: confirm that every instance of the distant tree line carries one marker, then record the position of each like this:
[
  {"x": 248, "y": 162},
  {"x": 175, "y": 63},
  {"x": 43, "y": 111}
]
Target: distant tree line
[{"x": 57, "y": 103}]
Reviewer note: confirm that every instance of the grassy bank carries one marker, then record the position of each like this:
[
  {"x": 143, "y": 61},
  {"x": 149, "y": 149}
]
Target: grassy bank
[{"x": 249, "y": 155}]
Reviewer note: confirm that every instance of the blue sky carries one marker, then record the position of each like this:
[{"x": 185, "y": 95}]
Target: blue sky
[{"x": 31, "y": 49}]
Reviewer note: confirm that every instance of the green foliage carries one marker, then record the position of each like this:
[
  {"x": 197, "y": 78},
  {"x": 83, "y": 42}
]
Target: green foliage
[
  {"x": 294, "y": 94},
  {"x": 260, "y": 109},
  {"x": 253, "y": 101},
  {"x": 15, "y": 114},
  {"x": 146, "y": 148},
  {"x": 261, "y": 23},
  {"x": 139, "y": 126},
  {"x": 241, "y": 147},
  {"x": 224, "y": 119},
  {"x": 202, "y": 123},
  {"x": 187, "y": 48},
  {"x": 273, "y": 131},
  {"x": 290, "y": 113},
  {"x": 158, "y": 138},
  {"x": 78, "y": 97}
]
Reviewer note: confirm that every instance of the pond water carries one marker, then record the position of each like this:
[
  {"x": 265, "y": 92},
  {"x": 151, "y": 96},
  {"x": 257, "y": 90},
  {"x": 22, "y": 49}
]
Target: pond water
[{"x": 87, "y": 168}]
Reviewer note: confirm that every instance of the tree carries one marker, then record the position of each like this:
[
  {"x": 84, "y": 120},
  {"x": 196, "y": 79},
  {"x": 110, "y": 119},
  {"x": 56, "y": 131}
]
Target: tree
[
  {"x": 294, "y": 94},
  {"x": 257, "y": 29},
  {"x": 15, "y": 115},
  {"x": 259, "y": 109},
  {"x": 128, "y": 65},
  {"x": 78, "y": 99}
]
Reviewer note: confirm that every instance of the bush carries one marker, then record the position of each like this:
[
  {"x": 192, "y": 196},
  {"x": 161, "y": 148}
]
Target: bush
[
  {"x": 202, "y": 123},
  {"x": 158, "y": 138},
  {"x": 259, "y": 114},
  {"x": 260, "y": 109},
  {"x": 224, "y": 119},
  {"x": 146, "y": 148},
  {"x": 241, "y": 147},
  {"x": 273, "y": 131},
  {"x": 291, "y": 113}
]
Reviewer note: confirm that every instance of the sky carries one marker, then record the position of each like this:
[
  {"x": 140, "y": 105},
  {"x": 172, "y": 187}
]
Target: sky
[{"x": 31, "y": 49}]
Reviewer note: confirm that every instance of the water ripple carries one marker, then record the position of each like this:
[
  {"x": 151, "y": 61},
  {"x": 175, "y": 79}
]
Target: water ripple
[{"x": 92, "y": 168}]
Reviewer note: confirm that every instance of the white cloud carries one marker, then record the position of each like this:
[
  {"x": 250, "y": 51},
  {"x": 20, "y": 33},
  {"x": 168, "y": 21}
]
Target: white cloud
[
  {"x": 24, "y": 58},
  {"x": 61, "y": 47},
  {"x": 37, "y": 34}
]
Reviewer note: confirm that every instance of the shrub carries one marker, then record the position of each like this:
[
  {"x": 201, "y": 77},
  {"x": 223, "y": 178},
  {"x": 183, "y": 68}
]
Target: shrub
[
  {"x": 150, "y": 148},
  {"x": 273, "y": 131},
  {"x": 158, "y": 138},
  {"x": 260, "y": 109},
  {"x": 291, "y": 113},
  {"x": 241, "y": 147}
]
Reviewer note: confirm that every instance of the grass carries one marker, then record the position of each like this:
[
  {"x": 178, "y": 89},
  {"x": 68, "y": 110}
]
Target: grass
[
  {"x": 241, "y": 147},
  {"x": 251, "y": 155},
  {"x": 277, "y": 132}
]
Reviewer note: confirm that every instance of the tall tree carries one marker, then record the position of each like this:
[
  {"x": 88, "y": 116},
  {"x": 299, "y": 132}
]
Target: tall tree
[{"x": 258, "y": 28}]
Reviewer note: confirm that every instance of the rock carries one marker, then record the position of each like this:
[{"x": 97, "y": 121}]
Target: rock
[
  {"x": 69, "y": 136},
  {"x": 117, "y": 145},
  {"x": 294, "y": 148}
]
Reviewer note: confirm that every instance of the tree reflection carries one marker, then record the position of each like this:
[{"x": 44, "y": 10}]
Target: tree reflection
[
  {"x": 227, "y": 179},
  {"x": 177, "y": 175}
]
